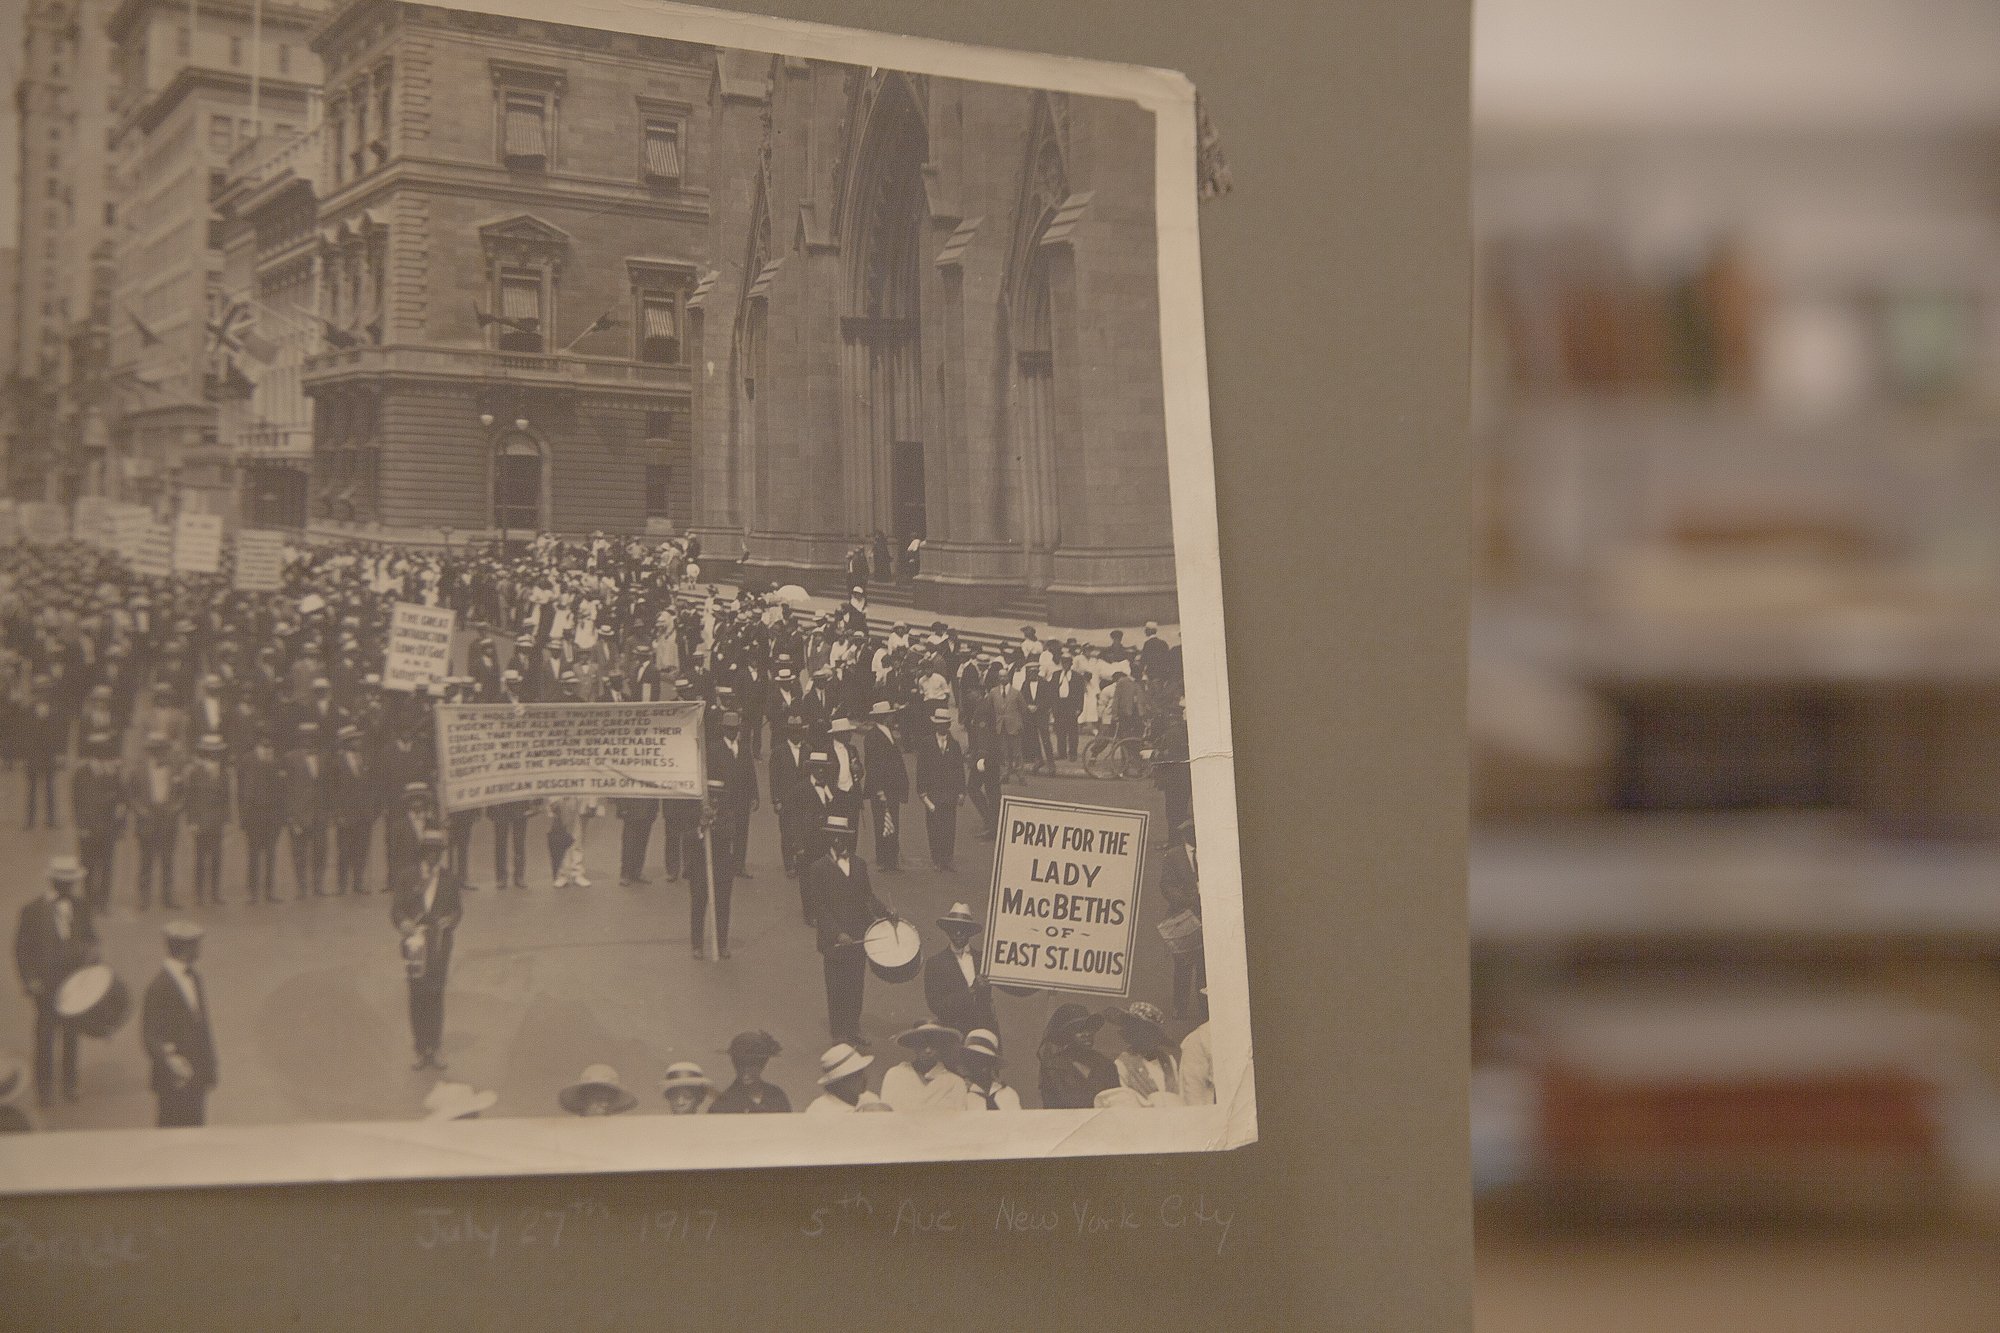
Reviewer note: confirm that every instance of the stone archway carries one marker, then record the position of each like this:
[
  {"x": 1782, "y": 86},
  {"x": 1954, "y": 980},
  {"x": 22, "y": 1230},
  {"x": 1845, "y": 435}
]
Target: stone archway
[{"x": 883, "y": 328}]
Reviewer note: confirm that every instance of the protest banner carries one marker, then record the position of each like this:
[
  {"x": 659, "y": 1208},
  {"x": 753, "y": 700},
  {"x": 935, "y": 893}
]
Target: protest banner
[
  {"x": 197, "y": 544},
  {"x": 419, "y": 650},
  {"x": 90, "y": 520},
  {"x": 260, "y": 560},
  {"x": 43, "y": 523},
  {"x": 1065, "y": 900},
  {"x": 127, "y": 524},
  {"x": 489, "y": 754},
  {"x": 153, "y": 555}
]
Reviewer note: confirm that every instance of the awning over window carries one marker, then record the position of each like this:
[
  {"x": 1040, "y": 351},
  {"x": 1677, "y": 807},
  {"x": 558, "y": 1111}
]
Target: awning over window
[
  {"x": 521, "y": 298},
  {"x": 526, "y": 130},
  {"x": 663, "y": 152},
  {"x": 659, "y": 318}
]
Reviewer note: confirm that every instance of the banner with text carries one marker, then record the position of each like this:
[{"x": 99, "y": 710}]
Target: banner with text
[
  {"x": 260, "y": 560},
  {"x": 197, "y": 544},
  {"x": 127, "y": 524},
  {"x": 153, "y": 556},
  {"x": 43, "y": 522},
  {"x": 419, "y": 646},
  {"x": 490, "y": 754},
  {"x": 1065, "y": 901},
  {"x": 90, "y": 520}
]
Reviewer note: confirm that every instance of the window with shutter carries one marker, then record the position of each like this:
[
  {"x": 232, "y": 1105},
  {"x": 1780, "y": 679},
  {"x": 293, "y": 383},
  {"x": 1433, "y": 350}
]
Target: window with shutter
[
  {"x": 659, "y": 331},
  {"x": 521, "y": 306},
  {"x": 525, "y": 137},
  {"x": 663, "y": 150}
]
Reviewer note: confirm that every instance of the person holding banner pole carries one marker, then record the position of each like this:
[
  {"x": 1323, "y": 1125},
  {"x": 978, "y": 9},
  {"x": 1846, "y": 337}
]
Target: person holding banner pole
[{"x": 710, "y": 860}]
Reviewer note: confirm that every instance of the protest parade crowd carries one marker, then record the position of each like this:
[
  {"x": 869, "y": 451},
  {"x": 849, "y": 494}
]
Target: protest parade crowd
[{"x": 184, "y": 709}]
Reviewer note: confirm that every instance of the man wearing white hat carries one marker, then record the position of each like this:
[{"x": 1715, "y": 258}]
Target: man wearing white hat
[
  {"x": 55, "y": 937},
  {"x": 154, "y": 793},
  {"x": 844, "y": 1076},
  {"x": 179, "y": 1040},
  {"x": 843, "y": 905}
]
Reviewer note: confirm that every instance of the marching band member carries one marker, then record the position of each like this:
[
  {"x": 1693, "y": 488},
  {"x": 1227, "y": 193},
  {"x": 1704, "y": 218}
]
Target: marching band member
[{"x": 426, "y": 912}]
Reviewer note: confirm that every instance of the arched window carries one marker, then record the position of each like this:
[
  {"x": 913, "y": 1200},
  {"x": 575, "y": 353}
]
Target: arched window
[{"x": 517, "y": 482}]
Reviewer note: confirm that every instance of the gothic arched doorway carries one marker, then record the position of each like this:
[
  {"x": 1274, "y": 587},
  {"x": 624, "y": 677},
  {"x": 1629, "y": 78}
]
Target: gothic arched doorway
[{"x": 885, "y": 323}]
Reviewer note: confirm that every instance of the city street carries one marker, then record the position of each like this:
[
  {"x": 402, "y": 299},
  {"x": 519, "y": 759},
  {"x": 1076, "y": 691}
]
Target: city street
[{"x": 309, "y": 1000}]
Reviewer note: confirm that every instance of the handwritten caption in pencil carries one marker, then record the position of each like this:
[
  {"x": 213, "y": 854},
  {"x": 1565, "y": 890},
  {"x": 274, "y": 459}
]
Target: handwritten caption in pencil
[{"x": 1193, "y": 1215}]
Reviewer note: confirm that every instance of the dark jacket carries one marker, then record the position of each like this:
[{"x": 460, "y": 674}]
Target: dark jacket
[
  {"x": 169, "y": 1027},
  {"x": 306, "y": 793},
  {"x": 738, "y": 772},
  {"x": 842, "y": 903},
  {"x": 952, "y": 1002},
  {"x": 260, "y": 792},
  {"x": 98, "y": 801},
  {"x": 440, "y": 923},
  {"x": 888, "y": 779},
  {"x": 941, "y": 773},
  {"x": 207, "y": 805},
  {"x": 353, "y": 794},
  {"x": 41, "y": 955}
]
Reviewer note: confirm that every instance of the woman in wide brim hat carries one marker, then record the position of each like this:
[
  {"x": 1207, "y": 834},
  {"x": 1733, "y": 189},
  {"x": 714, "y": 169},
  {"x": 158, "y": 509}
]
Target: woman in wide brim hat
[
  {"x": 928, "y": 1032},
  {"x": 598, "y": 1092},
  {"x": 1073, "y": 1070},
  {"x": 685, "y": 1087}
]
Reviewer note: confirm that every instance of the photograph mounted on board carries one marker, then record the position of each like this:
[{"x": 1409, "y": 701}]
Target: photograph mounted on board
[{"x": 676, "y": 576}]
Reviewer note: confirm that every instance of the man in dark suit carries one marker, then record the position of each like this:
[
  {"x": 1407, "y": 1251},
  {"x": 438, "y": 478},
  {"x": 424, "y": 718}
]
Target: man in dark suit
[
  {"x": 843, "y": 905},
  {"x": 174, "y": 1024},
  {"x": 207, "y": 808},
  {"x": 1066, "y": 706},
  {"x": 42, "y": 735},
  {"x": 55, "y": 937},
  {"x": 307, "y": 808},
  {"x": 155, "y": 791},
  {"x": 957, "y": 991},
  {"x": 260, "y": 809},
  {"x": 97, "y": 802},
  {"x": 941, "y": 786},
  {"x": 635, "y": 835},
  {"x": 353, "y": 800},
  {"x": 426, "y": 912},
  {"x": 888, "y": 784},
  {"x": 787, "y": 781},
  {"x": 729, "y": 759},
  {"x": 1180, "y": 888},
  {"x": 711, "y": 825},
  {"x": 403, "y": 838}
]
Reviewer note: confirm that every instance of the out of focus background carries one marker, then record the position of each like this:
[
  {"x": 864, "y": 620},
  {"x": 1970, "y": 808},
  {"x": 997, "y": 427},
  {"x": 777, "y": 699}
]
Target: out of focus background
[{"x": 1735, "y": 875}]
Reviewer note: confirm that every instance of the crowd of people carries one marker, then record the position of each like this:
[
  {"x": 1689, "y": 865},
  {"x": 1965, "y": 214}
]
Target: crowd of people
[{"x": 184, "y": 707}]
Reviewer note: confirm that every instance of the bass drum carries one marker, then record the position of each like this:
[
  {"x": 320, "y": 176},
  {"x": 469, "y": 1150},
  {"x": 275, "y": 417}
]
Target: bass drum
[
  {"x": 894, "y": 949},
  {"x": 95, "y": 1000}
]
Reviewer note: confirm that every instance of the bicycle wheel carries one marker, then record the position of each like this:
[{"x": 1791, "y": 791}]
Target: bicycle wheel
[
  {"x": 1098, "y": 760},
  {"x": 1134, "y": 764}
]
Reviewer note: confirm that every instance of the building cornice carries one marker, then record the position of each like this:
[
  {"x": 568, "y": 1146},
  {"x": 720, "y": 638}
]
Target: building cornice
[{"x": 600, "y": 195}]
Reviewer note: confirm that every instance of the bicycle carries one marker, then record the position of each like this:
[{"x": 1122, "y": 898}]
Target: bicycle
[{"x": 1111, "y": 756}]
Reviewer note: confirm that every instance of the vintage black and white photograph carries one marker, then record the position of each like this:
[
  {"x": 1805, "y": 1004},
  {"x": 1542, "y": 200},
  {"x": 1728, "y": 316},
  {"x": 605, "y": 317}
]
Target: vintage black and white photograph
[{"x": 572, "y": 563}]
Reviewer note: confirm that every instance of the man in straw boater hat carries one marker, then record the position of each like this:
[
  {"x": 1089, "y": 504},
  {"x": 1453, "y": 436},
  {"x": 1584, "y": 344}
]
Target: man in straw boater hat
[
  {"x": 306, "y": 811},
  {"x": 426, "y": 912},
  {"x": 456, "y": 1101},
  {"x": 749, "y": 1052},
  {"x": 887, "y": 778},
  {"x": 842, "y": 903},
  {"x": 353, "y": 794},
  {"x": 174, "y": 1025},
  {"x": 711, "y": 828},
  {"x": 208, "y": 816},
  {"x": 97, "y": 803},
  {"x": 154, "y": 792},
  {"x": 685, "y": 1087},
  {"x": 843, "y": 1076},
  {"x": 260, "y": 809},
  {"x": 941, "y": 786},
  {"x": 56, "y": 935},
  {"x": 957, "y": 992},
  {"x": 979, "y": 1059},
  {"x": 597, "y": 1092},
  {"x": 925, "y": 1082}
]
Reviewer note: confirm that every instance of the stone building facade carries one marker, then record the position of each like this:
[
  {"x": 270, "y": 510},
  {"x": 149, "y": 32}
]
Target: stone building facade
[
  {"x": 594, "y": 280},
  {"x": 512, "y": 220}
]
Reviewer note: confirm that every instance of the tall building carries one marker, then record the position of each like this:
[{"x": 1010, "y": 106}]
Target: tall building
[
  {"x": 512, "y": 221},
  {"x": 63, "y": 103},
  {"x": 935, "y": 313},
  {"x": 591, "y": 280},
  {"x": 269, "y": 207},
  {"x": 195, "y": 81}
]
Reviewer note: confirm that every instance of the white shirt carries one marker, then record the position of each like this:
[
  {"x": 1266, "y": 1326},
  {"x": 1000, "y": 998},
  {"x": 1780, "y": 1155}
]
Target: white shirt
[
  {"x": 179, "y": 972},
  {"x": 828, "y": 1104},
  {"x": 1198, "y": 1068},
  {"x": 967, "y": 966},
  {"x": 939, "y": 1090},
  {"x": 1005, "y": 1099}
]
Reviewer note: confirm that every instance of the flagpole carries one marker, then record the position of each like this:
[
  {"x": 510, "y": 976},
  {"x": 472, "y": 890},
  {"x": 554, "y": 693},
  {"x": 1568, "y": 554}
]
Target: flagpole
[{"x": 256, "y": 64}]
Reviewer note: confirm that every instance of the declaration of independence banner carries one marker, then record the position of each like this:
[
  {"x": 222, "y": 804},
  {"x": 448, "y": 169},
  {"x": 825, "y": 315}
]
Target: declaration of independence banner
[{"x": 489, "y": 754}]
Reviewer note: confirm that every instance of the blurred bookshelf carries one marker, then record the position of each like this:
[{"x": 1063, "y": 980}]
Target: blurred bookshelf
[{"x": 1735, "y": 703}]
